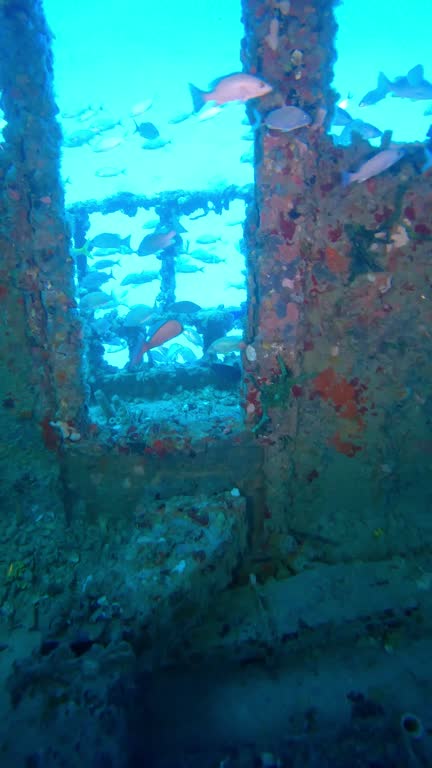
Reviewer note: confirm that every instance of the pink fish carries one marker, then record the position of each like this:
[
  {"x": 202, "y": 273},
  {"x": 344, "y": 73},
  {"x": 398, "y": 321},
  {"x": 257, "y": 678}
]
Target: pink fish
[
  {"x": 168, "y": 330},
  {"x": 239, "y": 86}
]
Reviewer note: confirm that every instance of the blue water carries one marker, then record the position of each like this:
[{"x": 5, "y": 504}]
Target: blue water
[
  {"x": 388, "y": 37},
  {"x": 116, "y": 55}
]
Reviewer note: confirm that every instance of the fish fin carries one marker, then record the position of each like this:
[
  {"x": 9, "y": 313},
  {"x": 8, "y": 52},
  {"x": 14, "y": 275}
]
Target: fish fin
[
  {"x": 198, "y": 97},
  {"x": 214, "y": 83},
  {"x": 383, "y": 83},
  {"x": 415, "y": 75},
  {"x": 428, "y": 161},
  {"x": 257, "y": 119},
  {"x": 346, "y": 178},
  {"x": 85, "y": 249}
]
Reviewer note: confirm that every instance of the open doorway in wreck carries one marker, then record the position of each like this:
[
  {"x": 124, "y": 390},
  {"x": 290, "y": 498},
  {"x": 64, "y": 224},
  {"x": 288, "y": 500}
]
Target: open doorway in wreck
[{"x": 157, "y": 181}]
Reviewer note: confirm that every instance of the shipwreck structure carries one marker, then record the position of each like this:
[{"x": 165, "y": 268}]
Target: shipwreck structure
[{"x": 249, "y": 586}]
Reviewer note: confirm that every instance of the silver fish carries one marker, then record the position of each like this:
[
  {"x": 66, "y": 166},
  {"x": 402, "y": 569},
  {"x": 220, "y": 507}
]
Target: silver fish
[
  {"x": 180, "y": 118},
  {"x": 141, "y": 107},
  {"x": 138, "y": 278},
  {"x": 240, "y": 286},
  {"x": 75, "y": 113},
  {"x": 108, "y": 171},
  {"x": 89, "y": 114},
  {"x": 94, "y": 280},
  {"x": 372, "y": 167},
  {"x": 173, "y": 351},
  {"x": 106, "y": 143},
  {"x": 192, "y": 335},
  {"x": 101, "y": 124},
  {"x": 158, "y": 355},
  {"x": 207, "y": 239},
  {"x": 137, "y": 316},
  {"x": 106, "y": 263},
  {"x": 183, "y": 266},
  {"x": 78, "y": 138},
  {"x": 188, "y": 355},
  {"x": 206, "y": 256},
  {"x": 156, "y": 143},
  {"x": 97, "y": 252},
  {"x": 95, "y": 300},
  {"x": 109, "y": 240}
]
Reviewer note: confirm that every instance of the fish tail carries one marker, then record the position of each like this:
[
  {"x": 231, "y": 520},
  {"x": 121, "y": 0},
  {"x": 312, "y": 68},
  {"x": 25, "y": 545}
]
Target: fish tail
[
  {"x": 126, "y": 241},
  {"x": 198, "y": 97},
  {"x": 346, "y": 178},
  {"x": 141, "y": 348}
]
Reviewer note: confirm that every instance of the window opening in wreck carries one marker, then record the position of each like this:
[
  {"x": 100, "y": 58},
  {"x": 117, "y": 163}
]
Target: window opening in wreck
[
  {"x": 156, "y": 187},
  {"x": 383, "y": 73}
]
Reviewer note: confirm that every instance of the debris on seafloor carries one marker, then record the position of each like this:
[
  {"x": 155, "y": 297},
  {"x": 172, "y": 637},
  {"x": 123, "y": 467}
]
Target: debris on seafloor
[
  {"x": 161, "y": 425},
  {"x": 184, "y": 548}
]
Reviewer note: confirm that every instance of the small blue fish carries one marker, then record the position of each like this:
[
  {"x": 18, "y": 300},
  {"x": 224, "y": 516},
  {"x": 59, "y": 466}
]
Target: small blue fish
[{"x": 365, "y": 130}]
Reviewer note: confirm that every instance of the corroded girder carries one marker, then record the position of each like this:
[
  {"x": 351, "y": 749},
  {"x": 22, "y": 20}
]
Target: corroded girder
[{"x": 34, "y": 238}]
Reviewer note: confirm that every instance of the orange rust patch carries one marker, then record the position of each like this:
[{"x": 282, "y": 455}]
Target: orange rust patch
[
  {"x": 336, "y": 262},
  {"x": 344, "y": 446},
  {"x": 339, "y": 391}
]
